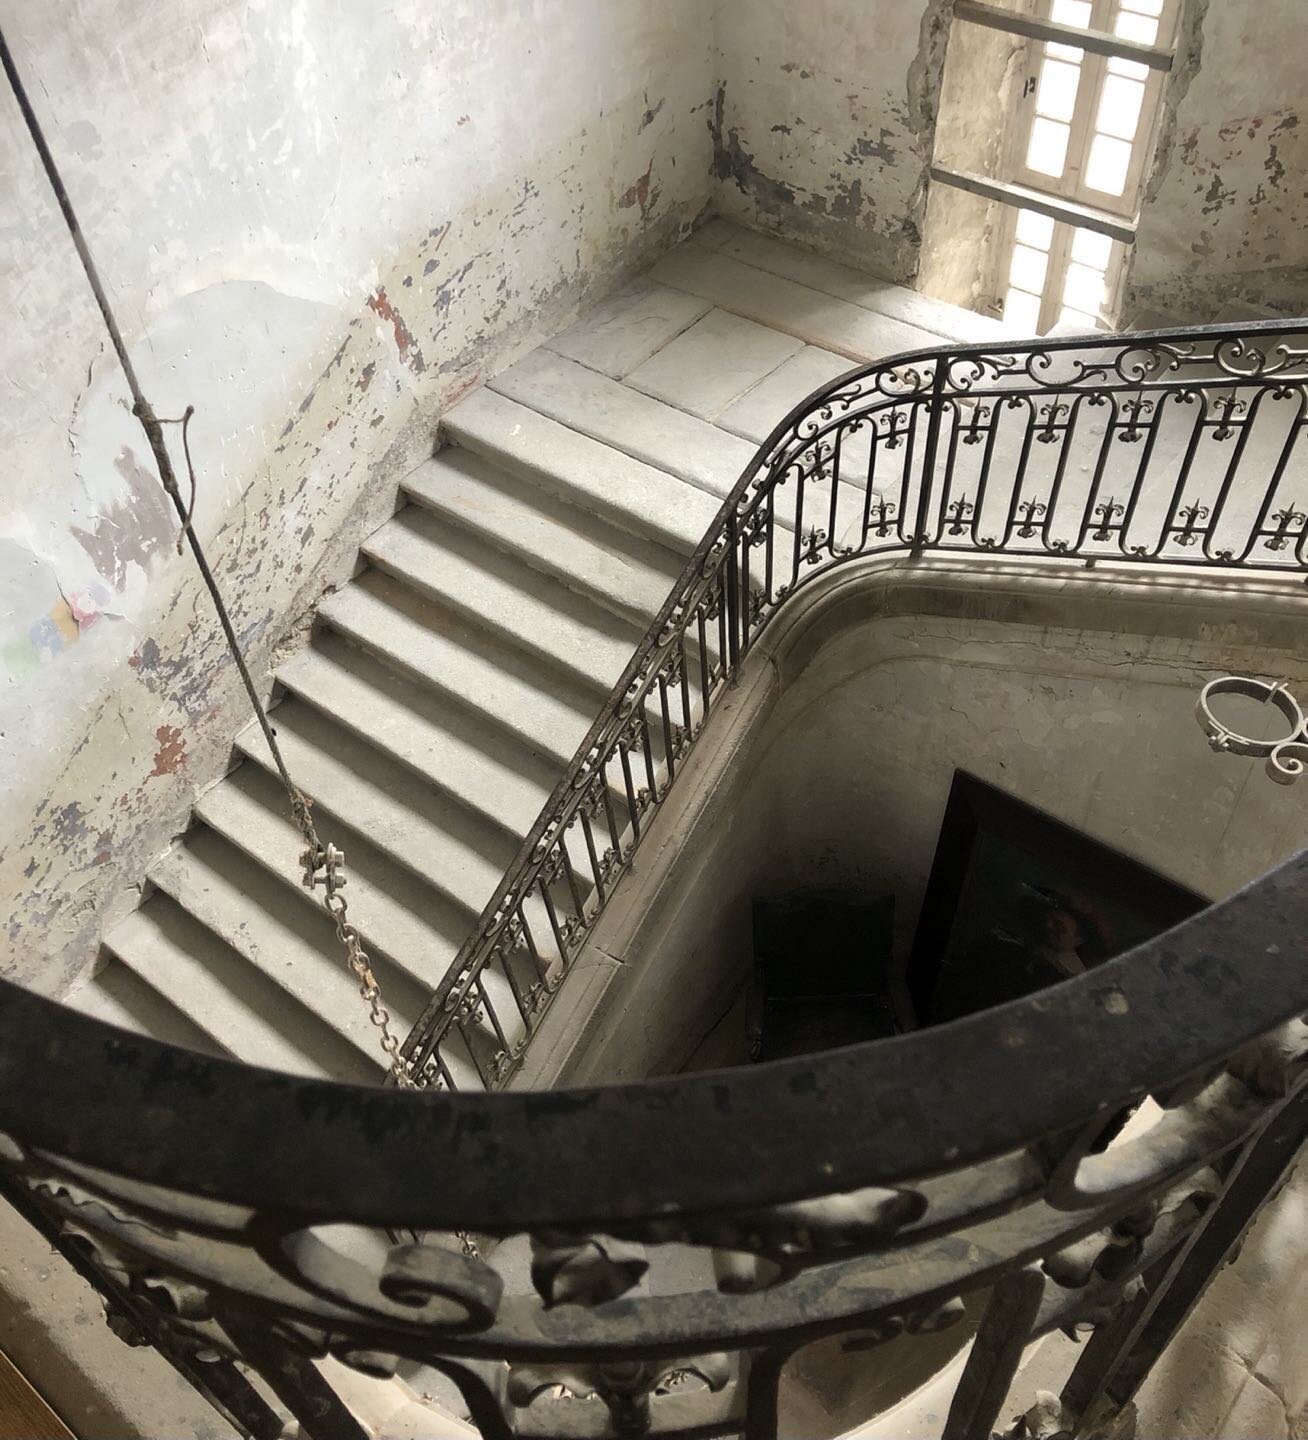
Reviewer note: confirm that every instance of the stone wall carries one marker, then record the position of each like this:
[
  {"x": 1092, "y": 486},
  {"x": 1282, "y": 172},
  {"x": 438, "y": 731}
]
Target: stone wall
[
  {"x": 823, "y": 122},
  {"x": 1226, "y": 212},
  {"x": 831, "y": 761},
  {"x": 319, "y": 224}
]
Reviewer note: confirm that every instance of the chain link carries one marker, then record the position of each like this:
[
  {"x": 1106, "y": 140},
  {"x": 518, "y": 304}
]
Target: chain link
[{"x": 323, "y": 865}]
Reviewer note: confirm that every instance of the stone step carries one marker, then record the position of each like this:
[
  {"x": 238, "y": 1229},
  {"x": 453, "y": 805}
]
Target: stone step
[
  {"x": 809, "y": 315},
  {"x": 755, "y": 415},
  {"x": 714, "y": 363},
  {"x": 951, "y": 323},
  {"x": 537, "y": 614},
  {"x": 484, "y": 672},
  {"x": 398, "y": 915},
  {"x": 619, "y": 333},
  {"x": 444, "y": 743},
  {"x": 640, "y": 498},
  {"x": 238, "y": 1006},
  {"x": 246, "y": 908},
  {"x": 118, "y": 996},
  {"x": 411, "y": 922},
  {"x": 636, "y": 424},
  {"x": 420, "y": 828},
  {"x": 622, "y": 572}
]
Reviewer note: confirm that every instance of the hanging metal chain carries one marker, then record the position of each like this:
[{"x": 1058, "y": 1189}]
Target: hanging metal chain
[{"x": 322, "y": 864}]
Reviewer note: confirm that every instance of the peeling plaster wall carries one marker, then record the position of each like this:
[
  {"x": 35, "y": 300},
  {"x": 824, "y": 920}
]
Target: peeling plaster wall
[
  {"x": 319, "y": 223},
  {"x": 824, "y": 120},
  {"x": 1226, "y": 212}
]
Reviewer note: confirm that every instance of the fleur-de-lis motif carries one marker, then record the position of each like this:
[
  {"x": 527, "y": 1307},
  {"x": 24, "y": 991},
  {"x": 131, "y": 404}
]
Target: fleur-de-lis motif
[
  {"x": 1285, "y": 521},
  {"x": 882, "y": 517},
  {"x": 1051, "y": 421},
  {"x": 896, "y": 428},
  {"x": 959, "y": 512},
  {"x": 1106, "y": 512},
  {"x": 1230, "y": 407},
  {"x": 1190, "y": 516},
  {"x": 813, "y": 543},
  {"x": 1030, "y": 511}
]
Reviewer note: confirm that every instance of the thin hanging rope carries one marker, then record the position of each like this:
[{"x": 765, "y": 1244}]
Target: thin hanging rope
[
  {"x": 144, "y": 412},
  {"x": 322, "y": 864}
]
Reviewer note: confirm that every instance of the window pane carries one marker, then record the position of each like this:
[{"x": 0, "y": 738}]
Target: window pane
[
  {"x": 1144, "y": 7},
  {"x": 1028, "y": 268},
  {"x": 1084, "y": 289},
  {"x": 1079, "y": 318},
  {"x": 1128, "y": 69},
  {"x": 1119, "y": 107},
  {"x": 1072, "y": 12},
  {"x": 1056, "y": 97},
  {"x": 1022, "y": 311},
  {"x": 1034, "y": 230},
  {"x": 1047, "y": 151},
  {"x": 1071, "y": 53},
  {"x": 1109, "y": 162},
  {"x": 1137, "y": 27},
  {"x": 1091, "y": 248}
]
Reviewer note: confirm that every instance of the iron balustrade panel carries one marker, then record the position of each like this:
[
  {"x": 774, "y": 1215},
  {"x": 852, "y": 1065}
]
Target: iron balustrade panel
[
  {"x": 949, "y": 1180},
  {"x": 1176, "y": 448},
  {"x": 652, "y": 1258}
]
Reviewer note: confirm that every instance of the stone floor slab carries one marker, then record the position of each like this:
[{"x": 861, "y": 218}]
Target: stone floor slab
[
  {"x": 628, "y": 328},
  {"x": 757, "y": 412},
  {"x": 713, "y": 363},
  {"x": 810, "y": 315}
]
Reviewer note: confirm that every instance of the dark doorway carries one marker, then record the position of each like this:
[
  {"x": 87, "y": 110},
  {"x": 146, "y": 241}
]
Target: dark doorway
[
  {"x": 822, "y": 965},
  {"x": 1017, "y": 900}
]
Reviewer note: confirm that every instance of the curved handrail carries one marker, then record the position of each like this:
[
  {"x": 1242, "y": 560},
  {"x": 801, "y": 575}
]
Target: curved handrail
[
  {"x": 856, "y": 1192},
  {"x": 943, "y": 401},
  {"x": 875, "y": 1113}
]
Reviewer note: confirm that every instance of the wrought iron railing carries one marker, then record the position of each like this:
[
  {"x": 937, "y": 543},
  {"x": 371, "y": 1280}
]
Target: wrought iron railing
[
  {"x": 245, "y": 1219},
  {"x": 955, "y": 1177},
  {"x": 1177, "y": 448}
]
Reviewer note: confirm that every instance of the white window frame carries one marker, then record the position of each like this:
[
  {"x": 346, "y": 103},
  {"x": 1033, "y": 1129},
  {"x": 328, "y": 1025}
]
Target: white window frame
[{"x": 1071, "y": 186}]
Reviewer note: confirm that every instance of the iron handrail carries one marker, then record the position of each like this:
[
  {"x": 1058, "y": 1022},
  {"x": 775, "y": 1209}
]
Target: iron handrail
[
  {"x": 860, "y": 1192},
  {"x": 1066, "y": 385}
]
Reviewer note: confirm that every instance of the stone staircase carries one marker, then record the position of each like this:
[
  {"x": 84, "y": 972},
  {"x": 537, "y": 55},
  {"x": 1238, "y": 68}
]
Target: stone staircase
[{"x": 447, "y": 686}]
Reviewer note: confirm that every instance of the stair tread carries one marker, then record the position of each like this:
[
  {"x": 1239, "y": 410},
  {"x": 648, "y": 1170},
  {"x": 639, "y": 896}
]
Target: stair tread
[
  {"x": 247, "y": 1019},
  {"x": 636, "y": 424},
  {"x": 407, "y": 630},
  {"x": 776, "y": 257},
  {"x": 624, "y": 572},
  {"x": 537, "y": 613},
  {"x": 271, "y": 938},
  {"x": 642, "y": 498},
  {"x": 463, "y": 854},
  {"x": 810, "y": 315},
  {"x": 417, "y": 927},
  {"x": 714, "y": 363},
  {"x": 757, "y": 413},
  {"x": 119, "y": 997},
  {"x": 627, "y": 328},
  {"x": 442, "y": 741}
]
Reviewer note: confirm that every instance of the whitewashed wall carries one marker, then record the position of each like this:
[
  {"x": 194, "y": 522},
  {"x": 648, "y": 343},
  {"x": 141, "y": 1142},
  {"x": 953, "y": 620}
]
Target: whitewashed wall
[
  {"x": 1226, "y": 215},
  {"x": 824, "y": 121},
  {"x": 319, "y": 221}
]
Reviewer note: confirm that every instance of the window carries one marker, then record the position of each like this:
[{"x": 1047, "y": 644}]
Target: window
[{"x": 1084, "y": 135}]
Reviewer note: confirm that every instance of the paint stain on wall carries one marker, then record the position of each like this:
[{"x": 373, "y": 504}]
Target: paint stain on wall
[
  {"x": 133, "y": 530},
  {"x": 171, "y": 754},
  {"x": 385, "y": 310}
]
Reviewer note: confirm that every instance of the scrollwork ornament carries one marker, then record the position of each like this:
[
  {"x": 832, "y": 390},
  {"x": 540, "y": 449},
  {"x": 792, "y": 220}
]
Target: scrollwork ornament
[{"x": 1287, "y": 757}]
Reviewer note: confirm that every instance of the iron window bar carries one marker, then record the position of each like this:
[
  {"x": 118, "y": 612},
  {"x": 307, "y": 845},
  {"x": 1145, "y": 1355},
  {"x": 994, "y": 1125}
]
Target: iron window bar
[{"x": 1098, "y": 42}]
